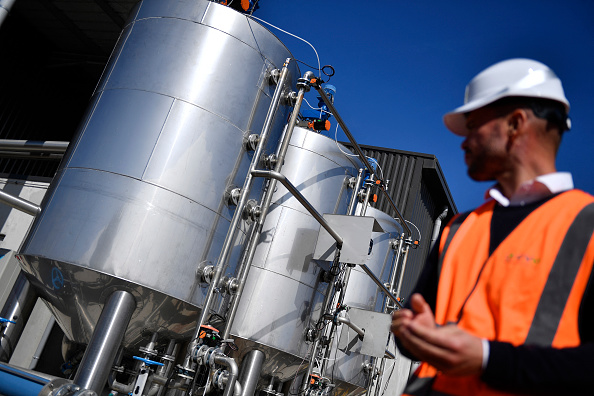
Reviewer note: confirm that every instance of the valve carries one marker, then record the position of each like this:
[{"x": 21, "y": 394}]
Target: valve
[
  {"x": 232, "y": 195},
  {"x": 318, "y": 386},
  {"x": 251, "y": 144},
  {"x": 311, "y": 334},
  {"x": 229, "y": 285},
  {"x": 205, "y": 272},
  {"x": 274, "y": 76},
  {"x": 305, "y": 81},
  {"x": 270, "y": 161},
  {"x": 252, "y": 211},
  {"x": 209, "y": 336}
]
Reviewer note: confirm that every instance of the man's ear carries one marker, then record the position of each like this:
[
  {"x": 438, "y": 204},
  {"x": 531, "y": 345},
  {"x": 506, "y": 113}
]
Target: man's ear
[{"x": 516, "y": 121}]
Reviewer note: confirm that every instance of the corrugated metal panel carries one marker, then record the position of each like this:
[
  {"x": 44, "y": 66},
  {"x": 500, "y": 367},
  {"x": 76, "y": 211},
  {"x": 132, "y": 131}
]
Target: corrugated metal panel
[{"x": 418, "y": 189}]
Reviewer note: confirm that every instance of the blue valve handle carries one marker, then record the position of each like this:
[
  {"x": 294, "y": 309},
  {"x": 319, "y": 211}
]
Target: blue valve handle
[
  {"x": 147, "y": 361},
  {"x": 2, "y": 320}
]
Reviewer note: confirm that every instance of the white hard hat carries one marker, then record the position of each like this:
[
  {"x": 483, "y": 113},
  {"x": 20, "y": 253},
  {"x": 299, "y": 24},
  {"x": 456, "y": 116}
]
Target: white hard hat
[{"x": 513, "y": 77}]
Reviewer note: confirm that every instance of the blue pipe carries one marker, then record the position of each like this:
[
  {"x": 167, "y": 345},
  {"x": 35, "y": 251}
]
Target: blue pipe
[{"x": 14, "y": 382}]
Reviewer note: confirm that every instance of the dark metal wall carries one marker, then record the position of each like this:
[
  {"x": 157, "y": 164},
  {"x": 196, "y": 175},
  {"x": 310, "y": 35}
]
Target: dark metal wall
[{"x": 417, "y": 185}]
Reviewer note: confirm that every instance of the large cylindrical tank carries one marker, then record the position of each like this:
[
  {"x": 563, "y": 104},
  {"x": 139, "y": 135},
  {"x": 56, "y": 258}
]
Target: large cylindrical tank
[
  {"x": 362, "y": 293},
  {"x": 139, "y": 200},
  {"x": 283, "y": 292}
]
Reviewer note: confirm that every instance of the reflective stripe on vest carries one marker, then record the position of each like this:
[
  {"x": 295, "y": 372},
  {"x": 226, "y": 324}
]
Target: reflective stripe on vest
[{"x": 521, "y": 295}]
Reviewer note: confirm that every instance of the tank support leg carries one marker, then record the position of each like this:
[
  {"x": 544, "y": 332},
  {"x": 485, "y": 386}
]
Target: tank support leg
[
  {"x": 16, "y": 312},
  {"x": 105, "y": 342},
  {"x": 250, "y": 371}
]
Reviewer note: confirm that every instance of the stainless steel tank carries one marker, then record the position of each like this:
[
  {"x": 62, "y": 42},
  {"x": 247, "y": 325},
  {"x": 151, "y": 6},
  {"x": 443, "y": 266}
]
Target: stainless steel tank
[
  {"x": 283, "y": 292},
  {"x": 348, "y": 369},
  {"x": 139, "y": 200}
]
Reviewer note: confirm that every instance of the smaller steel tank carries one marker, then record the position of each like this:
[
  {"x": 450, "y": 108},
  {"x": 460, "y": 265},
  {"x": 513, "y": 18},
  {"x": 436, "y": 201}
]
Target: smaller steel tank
[
  {"x": 348, "y": 369},
  {"x": 283, "y": 290}
]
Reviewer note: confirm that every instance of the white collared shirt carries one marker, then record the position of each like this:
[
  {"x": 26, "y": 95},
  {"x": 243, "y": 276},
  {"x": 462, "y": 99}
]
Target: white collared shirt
[{"x": 534, "y": 190}]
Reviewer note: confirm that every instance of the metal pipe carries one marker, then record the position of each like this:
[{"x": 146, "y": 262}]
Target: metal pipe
[
  {"x": 437, "y": 227},
  {"x": 401, "y": 278},
  {"x": 250, "y": 371},
  {"x": 228, "y": 362},
  {"x": 365, "y": 201},
  {"x": 227, "y": 246},
  {"x": 325, "y": 304},
  {"x": 378, "y": 381},
  {"x": 355, "y": 193},
  {"x": 33, "y": 146},
  {"x": 358, "y": 150},
  {"x": 347, "y": 321},
  {"x": 398, "y": 253},
  {"x": 289, "y": 186},
  {"x": 17, "y": 309},
  {"x": 42, "y": 342},
  {"x": 16, "y": 382},
  {"x": 20, "y": 204},
  {"x": 171, "y": 352},
  {"x": 105, "y": 342},
  {"x": 380, "y": 284},
  {"x": 5, "y": 6},
  {"x": 246, "y": 263}
]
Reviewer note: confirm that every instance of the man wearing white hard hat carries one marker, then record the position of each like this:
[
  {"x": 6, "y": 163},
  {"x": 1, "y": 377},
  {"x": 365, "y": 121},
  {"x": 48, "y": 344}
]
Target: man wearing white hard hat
[{"x": 505, "y": 303}]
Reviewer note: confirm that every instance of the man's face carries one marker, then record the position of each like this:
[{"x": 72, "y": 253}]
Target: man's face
[{"x": 485, "y": 147}]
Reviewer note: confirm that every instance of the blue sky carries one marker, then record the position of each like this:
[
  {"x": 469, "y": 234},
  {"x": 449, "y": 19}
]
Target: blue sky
[{"x": 401, "y": 65}]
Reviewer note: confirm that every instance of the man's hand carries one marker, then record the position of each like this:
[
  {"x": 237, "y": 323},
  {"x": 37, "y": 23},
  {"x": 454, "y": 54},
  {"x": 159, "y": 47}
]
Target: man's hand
[{"x": 448, "y": 348}]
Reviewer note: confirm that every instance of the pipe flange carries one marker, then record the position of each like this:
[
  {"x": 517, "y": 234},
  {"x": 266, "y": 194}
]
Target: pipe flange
[
  {"x": 229, "y": 284},
  {"x": 85, "y": 392},
  {"x": 251, "y": 211},
  {"x": 53, "y": 386},
  {"x": 219, "y": 378},
  {"x": 148, "y": 351},
  {"x": 199, "y": 353},
  {"x": 205, "y": 272},
  {"x": 65, "y": 390}
]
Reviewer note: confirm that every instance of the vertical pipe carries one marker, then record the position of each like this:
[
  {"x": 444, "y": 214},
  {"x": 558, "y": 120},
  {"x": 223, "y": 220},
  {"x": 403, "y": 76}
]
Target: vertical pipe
[
  {"x": 251, "y": 249},
  {"x": 18, "y": 308},
  {"x": 5, "y": 6},
  {"x": 394, "y": 273},
  {"x": 355, "y": 193},
  {"x": 401, "y": 278},
  {"x": 366, "y": 202},
  {"x": 226, "y": 250},
  {"x": 165, "y": 370},
  {"x": 105, "y": 342},
  {"x": 250, "y": 371}
]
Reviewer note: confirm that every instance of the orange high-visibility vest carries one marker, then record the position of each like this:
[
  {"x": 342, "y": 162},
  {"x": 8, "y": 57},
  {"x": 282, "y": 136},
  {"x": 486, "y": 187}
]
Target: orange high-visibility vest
[{"x": 528, "y": 291}]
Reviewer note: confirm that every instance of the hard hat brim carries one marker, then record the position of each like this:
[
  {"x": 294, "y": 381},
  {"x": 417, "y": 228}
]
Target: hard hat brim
[{"x": 455, "y": 120}]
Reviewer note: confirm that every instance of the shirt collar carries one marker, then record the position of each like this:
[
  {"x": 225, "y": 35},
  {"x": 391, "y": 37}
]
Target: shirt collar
[{"x": 533, "y": 190}]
